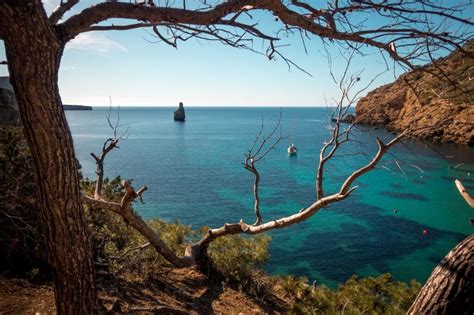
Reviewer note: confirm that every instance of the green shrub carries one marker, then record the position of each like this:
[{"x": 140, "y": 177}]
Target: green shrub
[
  {"x": 21, "y": 242},
  {"x": 371, "y": 295},
  {"x": 237, "y": 257}
]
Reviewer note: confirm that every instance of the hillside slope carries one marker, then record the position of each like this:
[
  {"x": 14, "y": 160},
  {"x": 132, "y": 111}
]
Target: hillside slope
[{"x": 421, "y": 99}]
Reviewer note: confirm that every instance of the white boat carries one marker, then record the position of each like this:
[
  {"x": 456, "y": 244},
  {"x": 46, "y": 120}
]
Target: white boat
[{"x": 292, "y": 150}]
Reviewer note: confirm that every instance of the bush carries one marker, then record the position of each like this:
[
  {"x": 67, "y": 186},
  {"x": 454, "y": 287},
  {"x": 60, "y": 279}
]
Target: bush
[
  {"x": 372, "y": 295},
  {"x": 237, "y": 257},
  {"x": 21, "y": 243}
]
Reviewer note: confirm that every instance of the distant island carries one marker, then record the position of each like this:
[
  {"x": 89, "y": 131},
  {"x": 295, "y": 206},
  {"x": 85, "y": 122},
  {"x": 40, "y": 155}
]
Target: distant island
[{"x": 77, "y": 107}]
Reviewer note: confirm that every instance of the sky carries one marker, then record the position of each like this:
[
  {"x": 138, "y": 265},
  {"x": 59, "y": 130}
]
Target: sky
[{"x": 130, "y": 69}]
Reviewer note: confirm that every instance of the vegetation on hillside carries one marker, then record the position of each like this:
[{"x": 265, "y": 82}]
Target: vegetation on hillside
[
  {"x": 372, "y": 295},
  {"x": 449, "y": 78},
  {"x": 436, "y": 101},
  {"x": 21, "y": 245}
]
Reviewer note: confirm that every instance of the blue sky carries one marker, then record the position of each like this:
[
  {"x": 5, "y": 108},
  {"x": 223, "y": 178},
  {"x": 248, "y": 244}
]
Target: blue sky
[{"x": 133, "y": 71}]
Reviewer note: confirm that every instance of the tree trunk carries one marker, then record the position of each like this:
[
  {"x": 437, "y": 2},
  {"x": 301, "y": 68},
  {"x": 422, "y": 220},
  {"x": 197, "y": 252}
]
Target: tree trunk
[
  {"x": 450, "y": 288},
  {"x": 34, "y": 51}
]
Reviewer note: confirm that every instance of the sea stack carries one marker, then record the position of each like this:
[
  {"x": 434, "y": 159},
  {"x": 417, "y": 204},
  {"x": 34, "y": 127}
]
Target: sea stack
[{"x": 179, "y": 114}]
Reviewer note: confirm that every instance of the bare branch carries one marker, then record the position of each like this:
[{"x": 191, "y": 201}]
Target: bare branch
[
  {"x": 132, "y": 249},
  {"x": 113, "y": 27},
  {"x": 345, "y": 188},
  {"x": 404, "y": 28},
  {"x": 109, "y": 145},
  {"x": 58, "y": 13},
  {"x": 347, "y": 100},
  {"x": 464, "y": 193},
  {"x": 250, "y": 166},
  {"x": 251, "y": 158}
]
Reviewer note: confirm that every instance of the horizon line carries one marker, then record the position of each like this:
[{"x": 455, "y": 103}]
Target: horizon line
[{"x": 217, "y": 106}]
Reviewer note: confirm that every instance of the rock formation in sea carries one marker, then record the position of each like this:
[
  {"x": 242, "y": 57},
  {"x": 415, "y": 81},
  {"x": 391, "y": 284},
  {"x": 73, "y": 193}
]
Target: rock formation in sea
[
  {"x": 8, "y": 107},
  {"x": 442, "y": 100},
  {"x": 179, "y": 114},
  {"x": 348, "y": 119}
]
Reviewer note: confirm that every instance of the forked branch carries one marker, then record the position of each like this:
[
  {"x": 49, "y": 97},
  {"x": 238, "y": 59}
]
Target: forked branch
[
  {"x": 109, "y": 145},
  {"x": 260, "y": 148},
  {"x": 339, "y": 135}
]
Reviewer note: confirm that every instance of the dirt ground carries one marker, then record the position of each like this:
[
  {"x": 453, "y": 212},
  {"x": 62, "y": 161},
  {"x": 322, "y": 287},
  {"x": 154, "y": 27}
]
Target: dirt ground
[{"x": 179, "y": 291}]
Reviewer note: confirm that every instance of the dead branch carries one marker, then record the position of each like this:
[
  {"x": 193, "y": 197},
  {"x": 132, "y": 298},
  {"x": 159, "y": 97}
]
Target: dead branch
[
  {"x": 266, "y": 145},
  {"x": 131, "y": 249},
  {"x": 138, "y": 253},
  {"x": 347, "y": 100},
  {"x": 464, "y": 193},
  {"x": 109, "y": 145}
]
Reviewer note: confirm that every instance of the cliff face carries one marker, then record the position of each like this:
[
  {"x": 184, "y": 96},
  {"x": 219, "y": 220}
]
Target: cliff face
[
  {"x": 421, "y": 99},
  {"x": 9, "y": 114},
  {"x": 8, "y": 107}
]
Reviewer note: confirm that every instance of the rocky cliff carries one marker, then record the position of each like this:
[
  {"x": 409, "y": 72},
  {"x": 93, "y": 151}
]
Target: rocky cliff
[
  {"x": 8, "y": 106},
  {"x": 439, "y": 96},
  {"x": 9, "y": 114}
]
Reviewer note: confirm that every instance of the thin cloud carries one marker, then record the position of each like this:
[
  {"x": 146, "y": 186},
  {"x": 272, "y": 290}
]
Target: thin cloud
[{"x": 97, "y": 43}]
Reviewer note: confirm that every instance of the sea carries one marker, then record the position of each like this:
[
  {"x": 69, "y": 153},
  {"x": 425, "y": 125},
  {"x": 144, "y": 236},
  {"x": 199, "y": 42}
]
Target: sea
[{"x": 403, "y": 218}]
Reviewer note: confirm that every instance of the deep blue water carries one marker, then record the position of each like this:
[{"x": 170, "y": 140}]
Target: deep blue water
[{"x": 194, "y": 174}]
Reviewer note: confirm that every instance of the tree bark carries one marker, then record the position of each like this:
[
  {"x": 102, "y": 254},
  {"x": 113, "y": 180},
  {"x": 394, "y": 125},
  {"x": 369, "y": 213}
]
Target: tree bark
[
  {"x": 450, "y": 288},
  {"x": 34, "y": 51}
]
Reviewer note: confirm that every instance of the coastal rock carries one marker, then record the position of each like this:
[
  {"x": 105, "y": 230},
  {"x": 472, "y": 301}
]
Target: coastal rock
[
  {"x": 179, "y": 114},
  {"x": 9, "y": 114},
  {"x": 348, "y": 119},
  {"x": 421, "y": 99}
]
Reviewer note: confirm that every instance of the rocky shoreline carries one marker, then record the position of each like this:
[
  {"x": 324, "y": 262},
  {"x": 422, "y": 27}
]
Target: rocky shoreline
[
  {"x": 9, "y": 115},
  {"x": 438, "y": 109}
]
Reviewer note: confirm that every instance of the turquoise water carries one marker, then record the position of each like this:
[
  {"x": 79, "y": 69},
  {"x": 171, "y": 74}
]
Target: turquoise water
[{"x": 194, "y": 174}]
